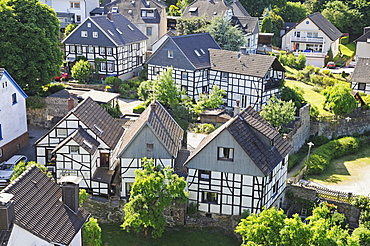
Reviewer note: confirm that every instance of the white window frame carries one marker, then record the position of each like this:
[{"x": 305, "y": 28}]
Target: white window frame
[
  {"x": 91, "y": 49},
  {"x": 103, "y": 66},
  {"x": 102, "y": 50},
  {"x": 74, "y": 149},
  {"x": 109, "y": 51},
  {"x": 72, "y": 49},
  {"x": 221, "y": 154},
  {"x": 170, "y": 54},
  {"x": 79, "y": 49},
  {"x": 75, "y": 5},
  {"x": 61, "y": 132},
  {"x": 95, "y": 35},
  {"x": 110, "y": 67},
  {"x": 78, "y": 18},
  {"x": 83, "y": 34}
]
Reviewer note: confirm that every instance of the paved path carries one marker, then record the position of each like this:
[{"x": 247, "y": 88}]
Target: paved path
[
  {"x": 34, "y": 133},
  {"x": 126, "y": 105}
]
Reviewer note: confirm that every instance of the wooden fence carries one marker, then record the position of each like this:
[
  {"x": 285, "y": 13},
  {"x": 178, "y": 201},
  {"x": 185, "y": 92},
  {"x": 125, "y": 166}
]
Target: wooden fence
[{"x": 332, "y": 194}]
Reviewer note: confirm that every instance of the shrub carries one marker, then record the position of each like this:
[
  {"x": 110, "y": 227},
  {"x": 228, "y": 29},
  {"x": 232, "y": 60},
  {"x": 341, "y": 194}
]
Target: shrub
[
  {"x": 140, "y": 108},
  {"x": 203, "y": 128},
  {"x": 193, "y": 208},
  {"x": 326, "y": 72},
  {"x": 35, "y": 102},
  {"x": 314, "y": 111},
  {"x": 319, "y": 140},
  {"x": 344, "y": 40},
  {"x": 289, "y": 94},
  {"x": 115, "y": 82}
]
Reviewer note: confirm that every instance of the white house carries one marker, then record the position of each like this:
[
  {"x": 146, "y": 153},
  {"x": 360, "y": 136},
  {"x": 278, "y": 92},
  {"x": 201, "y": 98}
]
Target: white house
[
  {"x": 13, "y": 117},
  {"x": 34, "y": 210},
  {"x": 71, "y": 11},
  {"x": 242, "y": 165},
  {"x": 250, "y": 27},
  {"x": 314, "y": 36}
]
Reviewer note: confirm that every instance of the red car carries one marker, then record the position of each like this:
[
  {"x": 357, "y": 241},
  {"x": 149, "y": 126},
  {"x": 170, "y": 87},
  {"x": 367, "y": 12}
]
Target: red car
[
  {"x": 62, "y": 75},
  {"x": 330, "y": 65}
]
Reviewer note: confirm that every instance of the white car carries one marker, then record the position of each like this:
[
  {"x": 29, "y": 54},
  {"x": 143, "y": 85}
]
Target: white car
[{"x": 6, "y": 169}]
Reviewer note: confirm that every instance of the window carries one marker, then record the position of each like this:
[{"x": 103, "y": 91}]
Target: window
[
  {"x": 204, "y": 175},
  {"x": 103, "y": 66},
  {"x": 109, "y": 51},
  {"x": 61, "y": 132},
  {"x": 75, "y": 5},
  {"x": 84, "y": 34},
  {"x": 205, "y": 74},
  {"x": 1, "y": 133},
  {"x": 110, "y": 66},
  {"x": 98, "y": 129},
  {"x": 147, "y": 13},
  {"x": 283, "y": 162},
  {"x": 95, "y": 34},
  {"x": 197, "y": 53},
  {"x": 79, "y": 49},
  {"x": 89, "y": 25},
  {"x": 184, "y": 88},
  {"x": 244, "y": 101},
  {"x": 104, "y": 159},
  {"x": 50, "y": 158},
  {"x": 72, "y": 49},
  {"x": 205, "y": 89},
  {"x": 275, "y": 188},
  {"x": 102, "y": 50},
  {"x": 361, "y": 86},
  {"x": 149, "y": 31},
  {"x": 149, "y": 146},
  {"x": 155, "y": 70},
  {"x": 269, "y": 177},
  {"x": 78, "y": 18},
  {"x": 184, "y": 75},
  {"x": 14, "y": 98},
  {"x": 312, "y": 34},
  {"x": 91, "y": 49},
  {"x": 297, "y": 34},
  {"x": 224, "y": 76},
  {"x": 74, "y": 149},
  {"x": 225, "y": 154},
  {"x": 210, "y": 197},
  {"x": 170, "y": 54}
]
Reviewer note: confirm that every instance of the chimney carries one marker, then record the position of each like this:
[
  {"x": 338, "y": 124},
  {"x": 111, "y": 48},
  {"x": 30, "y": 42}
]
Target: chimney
[
  {"x": 154, "y": 106},
  {"x": 236, "y": 108},
  {"x": 366, "y": 29},
  {"x": 70, "y": 190},
  {"x": 109, "y": 16},
  {"x": 7, "y": 214},
  {"x": 71, "y": 102}
]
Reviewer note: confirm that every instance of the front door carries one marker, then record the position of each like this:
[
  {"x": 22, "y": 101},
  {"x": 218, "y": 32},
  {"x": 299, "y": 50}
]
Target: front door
[{"x": 104, "y": 160}]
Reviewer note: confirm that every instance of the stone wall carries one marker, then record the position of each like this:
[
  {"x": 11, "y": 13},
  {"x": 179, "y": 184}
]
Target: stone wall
[
  {"x": 98, "y": 87},
  {"x": 38, "y": 117}
]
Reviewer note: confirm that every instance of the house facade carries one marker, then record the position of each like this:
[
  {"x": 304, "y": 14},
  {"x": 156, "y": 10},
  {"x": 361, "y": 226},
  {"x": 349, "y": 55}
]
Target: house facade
[
  {"x": 155, "y": 135},
  {"x": 34, "y": 210},
  {"x": 13, "y": 117},
  {"x": 148, "y": 16},
  {"x": 110, "y": 42},
  {"x": 250, "y": 28},
  {"x": 85, "y": 143},
  {"x": 314, "y": 36},
  {"x": 360, "y": 81},
  {"x": 240, "y": 166},
  {"x": 188, "y": 55},
  {"x": 363, "y": 44}
]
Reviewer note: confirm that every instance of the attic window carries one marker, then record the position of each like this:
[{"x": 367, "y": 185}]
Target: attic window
[
  {"x": 88, "y": 25},
  {"x": 149, "y": 146},
  {"x": 193, "y": 9},
  {"x": 130, "y": 27},
  {"x": 84, "y": 34},
  {"x": 111, "y": 33},
  {"x": 133, "y": 2},
  {"x": 147, "y": 3},
  {"x": 130, "y": 11},
  {"x": 115, "y": 10},
  {"x": 119, "y": 31},
  {"x": 307, "y": 22},
  {"x": 197, "y": 52},
  {"x": 225, "y": 154},
  {"x": 201, "y": 50},
  {"x": 98, "y": 129},
  {"x": 87, "y": 144}
]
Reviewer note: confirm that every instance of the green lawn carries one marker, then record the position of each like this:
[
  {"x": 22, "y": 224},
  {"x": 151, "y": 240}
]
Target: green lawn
[
  {"x": 310, "y": 96},
  {"x": 112, "y": 235},
  {"x": 348, "y": 49}
]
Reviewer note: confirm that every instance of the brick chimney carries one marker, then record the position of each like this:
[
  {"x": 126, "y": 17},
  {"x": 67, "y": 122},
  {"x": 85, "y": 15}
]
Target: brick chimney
[
  {"x": 109, "y": 16},
  {"x": 7, "y": 214},
  {"x": 70, "y": 190},
  {"x": 154, "y": 106},
  {"x": 71, "y": 102},
  {"x": 236, "y": 108}
]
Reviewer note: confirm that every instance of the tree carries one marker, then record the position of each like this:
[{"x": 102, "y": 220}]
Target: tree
[
  {"x": 154, "y": 189},
  {"x": 227, "y": 36},
  {"x": 29, "y": 43},
  {"x": 338, "y": 98},
  {"x": 212, "y": 100},
  {"x": 92, "y": 233},
  {"x": 82, "y": 71},
  {"x": 256, "y": 7},
  {"x": 69, "y": 28},
  {"x": 277, "y": 112},
  {"x": 273, "y": 22},
  {"x": 174, "y": 11},
  {"x": 292, "y": 11},
  {"x": 186, "y": 26},
  {"x": 23, "y": 166},
  {"x": 292, "y": 94}
]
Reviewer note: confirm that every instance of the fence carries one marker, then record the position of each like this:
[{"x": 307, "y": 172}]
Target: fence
[{"x": 332, "y": 195}]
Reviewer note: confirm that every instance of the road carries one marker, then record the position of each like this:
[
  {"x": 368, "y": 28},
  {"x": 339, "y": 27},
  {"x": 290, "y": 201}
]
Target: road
[{"x": 338, "y": 70}]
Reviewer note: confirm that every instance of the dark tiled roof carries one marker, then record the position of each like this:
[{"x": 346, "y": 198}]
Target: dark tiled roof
[
  {"x": 133, "y": 11},
  {"x": 326, "y": 26},
  {"x": 4, "y": 237},
  {"x": 103, "y": 174},
  {"x": 39, "y": 210},
  {"x": 242, "y": 128},
  {"x": 248, "y": 24},
  {"x": 189, "y": 43},
  {"x": 127, "y": 36},
  {"x": 163, "y": 126},
  {"x": 239, "y": 63},
  {"x": 363, "y": 37},
  {"x": 361, "y": 74},
  {"x": 181, "y": 158}
]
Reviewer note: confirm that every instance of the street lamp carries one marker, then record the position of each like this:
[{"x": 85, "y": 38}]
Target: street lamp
[
  {"x": 348, "y": 120},
  {"x": 310, "y": 144}
]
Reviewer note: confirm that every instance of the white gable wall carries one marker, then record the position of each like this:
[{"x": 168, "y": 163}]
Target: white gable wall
[
  {"x": 362, "y": 49},
  {"x": 20, "y": 236}
]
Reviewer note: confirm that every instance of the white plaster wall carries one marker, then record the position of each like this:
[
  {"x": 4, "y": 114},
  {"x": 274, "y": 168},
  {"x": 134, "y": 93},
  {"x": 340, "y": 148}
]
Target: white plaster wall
[
  {"x": 362, "y": 49},
  {"x": 77, "y": 240},
  {"x": 13, "y": 118},
  {"x": 64, "y": 6},
  {"x": 20, "y": 236}
]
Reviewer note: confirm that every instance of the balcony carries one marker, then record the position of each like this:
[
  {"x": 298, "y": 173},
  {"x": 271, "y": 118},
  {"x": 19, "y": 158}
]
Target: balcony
[
  {"x": 272, "y": 83},
  {"x": 317, "y": 40},
  {"x": 310, "y": 53}
]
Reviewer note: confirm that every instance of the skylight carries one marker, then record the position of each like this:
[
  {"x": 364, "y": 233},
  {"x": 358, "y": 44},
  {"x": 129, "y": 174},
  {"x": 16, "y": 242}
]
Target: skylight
[
  {"x": 197, "y": 52},
  {"x": 111, "y": 33},
  {"x": 201, "y": 50},
  {"x": 119, "y": 31},
  {"x": 98, "y": 129},
  {"x": 130, "y": 27},
  {"x": 193, "y": 9},
  {"x": 87, "y": 144}
]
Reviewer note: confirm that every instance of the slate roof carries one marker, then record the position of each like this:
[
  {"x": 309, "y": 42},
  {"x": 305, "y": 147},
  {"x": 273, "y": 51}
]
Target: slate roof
[
  {"x": 361, "y": 74},
  {"x": 248, "y": 24},
  {"x": 39, "y": 210},
  {"x": 133, "y": 11},
  {"x": 239, "y": 63},
  {"x": 363, "y": 37},
  {"x": 243, "y": 128},
  {"x": 161, "y": 123},
  {"x": 95, "y": 117}
]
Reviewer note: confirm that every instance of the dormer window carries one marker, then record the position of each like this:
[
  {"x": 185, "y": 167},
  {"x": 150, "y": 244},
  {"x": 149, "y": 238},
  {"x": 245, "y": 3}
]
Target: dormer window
[
  {"x": 147, "y": 13},
  {"x": 193, "y": 9}
]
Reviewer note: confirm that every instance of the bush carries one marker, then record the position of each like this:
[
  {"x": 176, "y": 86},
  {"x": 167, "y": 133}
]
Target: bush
[
  {"x": 326, "y": 72},
  {"x": 203, "y": 128},
  {"x": 115, "y": 82},
  {"x": 35, "y": 102},
  {"x": 318, "y": 140},
  {"x": 193, "y": 208},
  {"x": 140, "y": 108},
  {"x": 344, "y": 40},
  {"x": 289, "y": 94}
]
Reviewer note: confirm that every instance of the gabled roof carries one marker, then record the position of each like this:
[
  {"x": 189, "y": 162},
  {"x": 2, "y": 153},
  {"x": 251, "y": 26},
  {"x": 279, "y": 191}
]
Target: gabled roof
[
  {"x": 361, "y": 74},
  {"x": 248, "y": 24},
  {"x": 5, "y": 73},
  {"x": 161, "y": 123},
  {"x": 131, "y": 9},
  {"x": 39, "y": 210},
  {"x": 83, "y": 139},
  {"x": 244, "y": 128},
  {"x": 363, "y": 37},
  {"x": 97, "y": 120},
  {"x": 239, "y": 63}
]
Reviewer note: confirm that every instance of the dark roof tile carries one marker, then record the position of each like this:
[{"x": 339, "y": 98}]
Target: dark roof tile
[{"x": 361, "y": 74}]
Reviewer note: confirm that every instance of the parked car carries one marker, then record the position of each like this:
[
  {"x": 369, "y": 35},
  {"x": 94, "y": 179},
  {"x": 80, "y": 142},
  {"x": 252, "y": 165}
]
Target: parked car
[
  {"x": 7, "y": 167},
  {"x": 330, "y": 65},
  {"x": 352, "y": 64},
  {"x": 62, "y": 75}
]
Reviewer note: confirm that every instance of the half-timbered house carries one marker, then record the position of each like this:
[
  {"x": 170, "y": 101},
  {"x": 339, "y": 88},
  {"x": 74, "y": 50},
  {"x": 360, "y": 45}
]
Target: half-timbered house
[
  {"x": 241, "y": 166},
  {"x": 85, "y": 143},
  {"x": 250, "y": 28},
  {"x": 110, "y": 42},
  {"x": 188, "y": 55},
  {"x": 360, "y": 81},
  {"x": 249, "y": 78},
  {"x": 156, "y": 135}
]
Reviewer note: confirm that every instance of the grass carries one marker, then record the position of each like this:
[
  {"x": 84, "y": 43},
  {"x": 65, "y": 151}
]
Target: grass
[
  {"x": 349, "y": 168},
  {"x": 113, "y": 235},
  {"x": 314, "y": 98},
  {"x": 348, "y": 49}
]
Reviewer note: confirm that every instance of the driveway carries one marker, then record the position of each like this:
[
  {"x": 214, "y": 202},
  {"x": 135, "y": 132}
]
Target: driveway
[{"x": 34, "y": 133}]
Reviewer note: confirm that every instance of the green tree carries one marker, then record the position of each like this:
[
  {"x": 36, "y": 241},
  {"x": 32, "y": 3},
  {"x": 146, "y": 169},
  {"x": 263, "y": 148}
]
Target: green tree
[
  {"x": 277, "y": 112},
  {"x": 292, "y": 11},
  {"x": 30, "y": 51},
  {"x": 69, "y": 28},
  {"x": 82, "y": 71},
  {"x": 174, "y": 11},
  {"x": 186, "y": 26},
  {"x": 82, "y": 196},
  {"x": 338, "y": 98},
  {"x": 292, "y": 94},
  {"x": 23, "y": 166},
  {"x": 92, "y": 233},
  {"x": 212, "y": 100},
  {"x": 256, "y": 7},
  {"x": 227, "y": 36},
  {"x": 154, "y": 189},
  {"x": 272, "y": 23}
]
